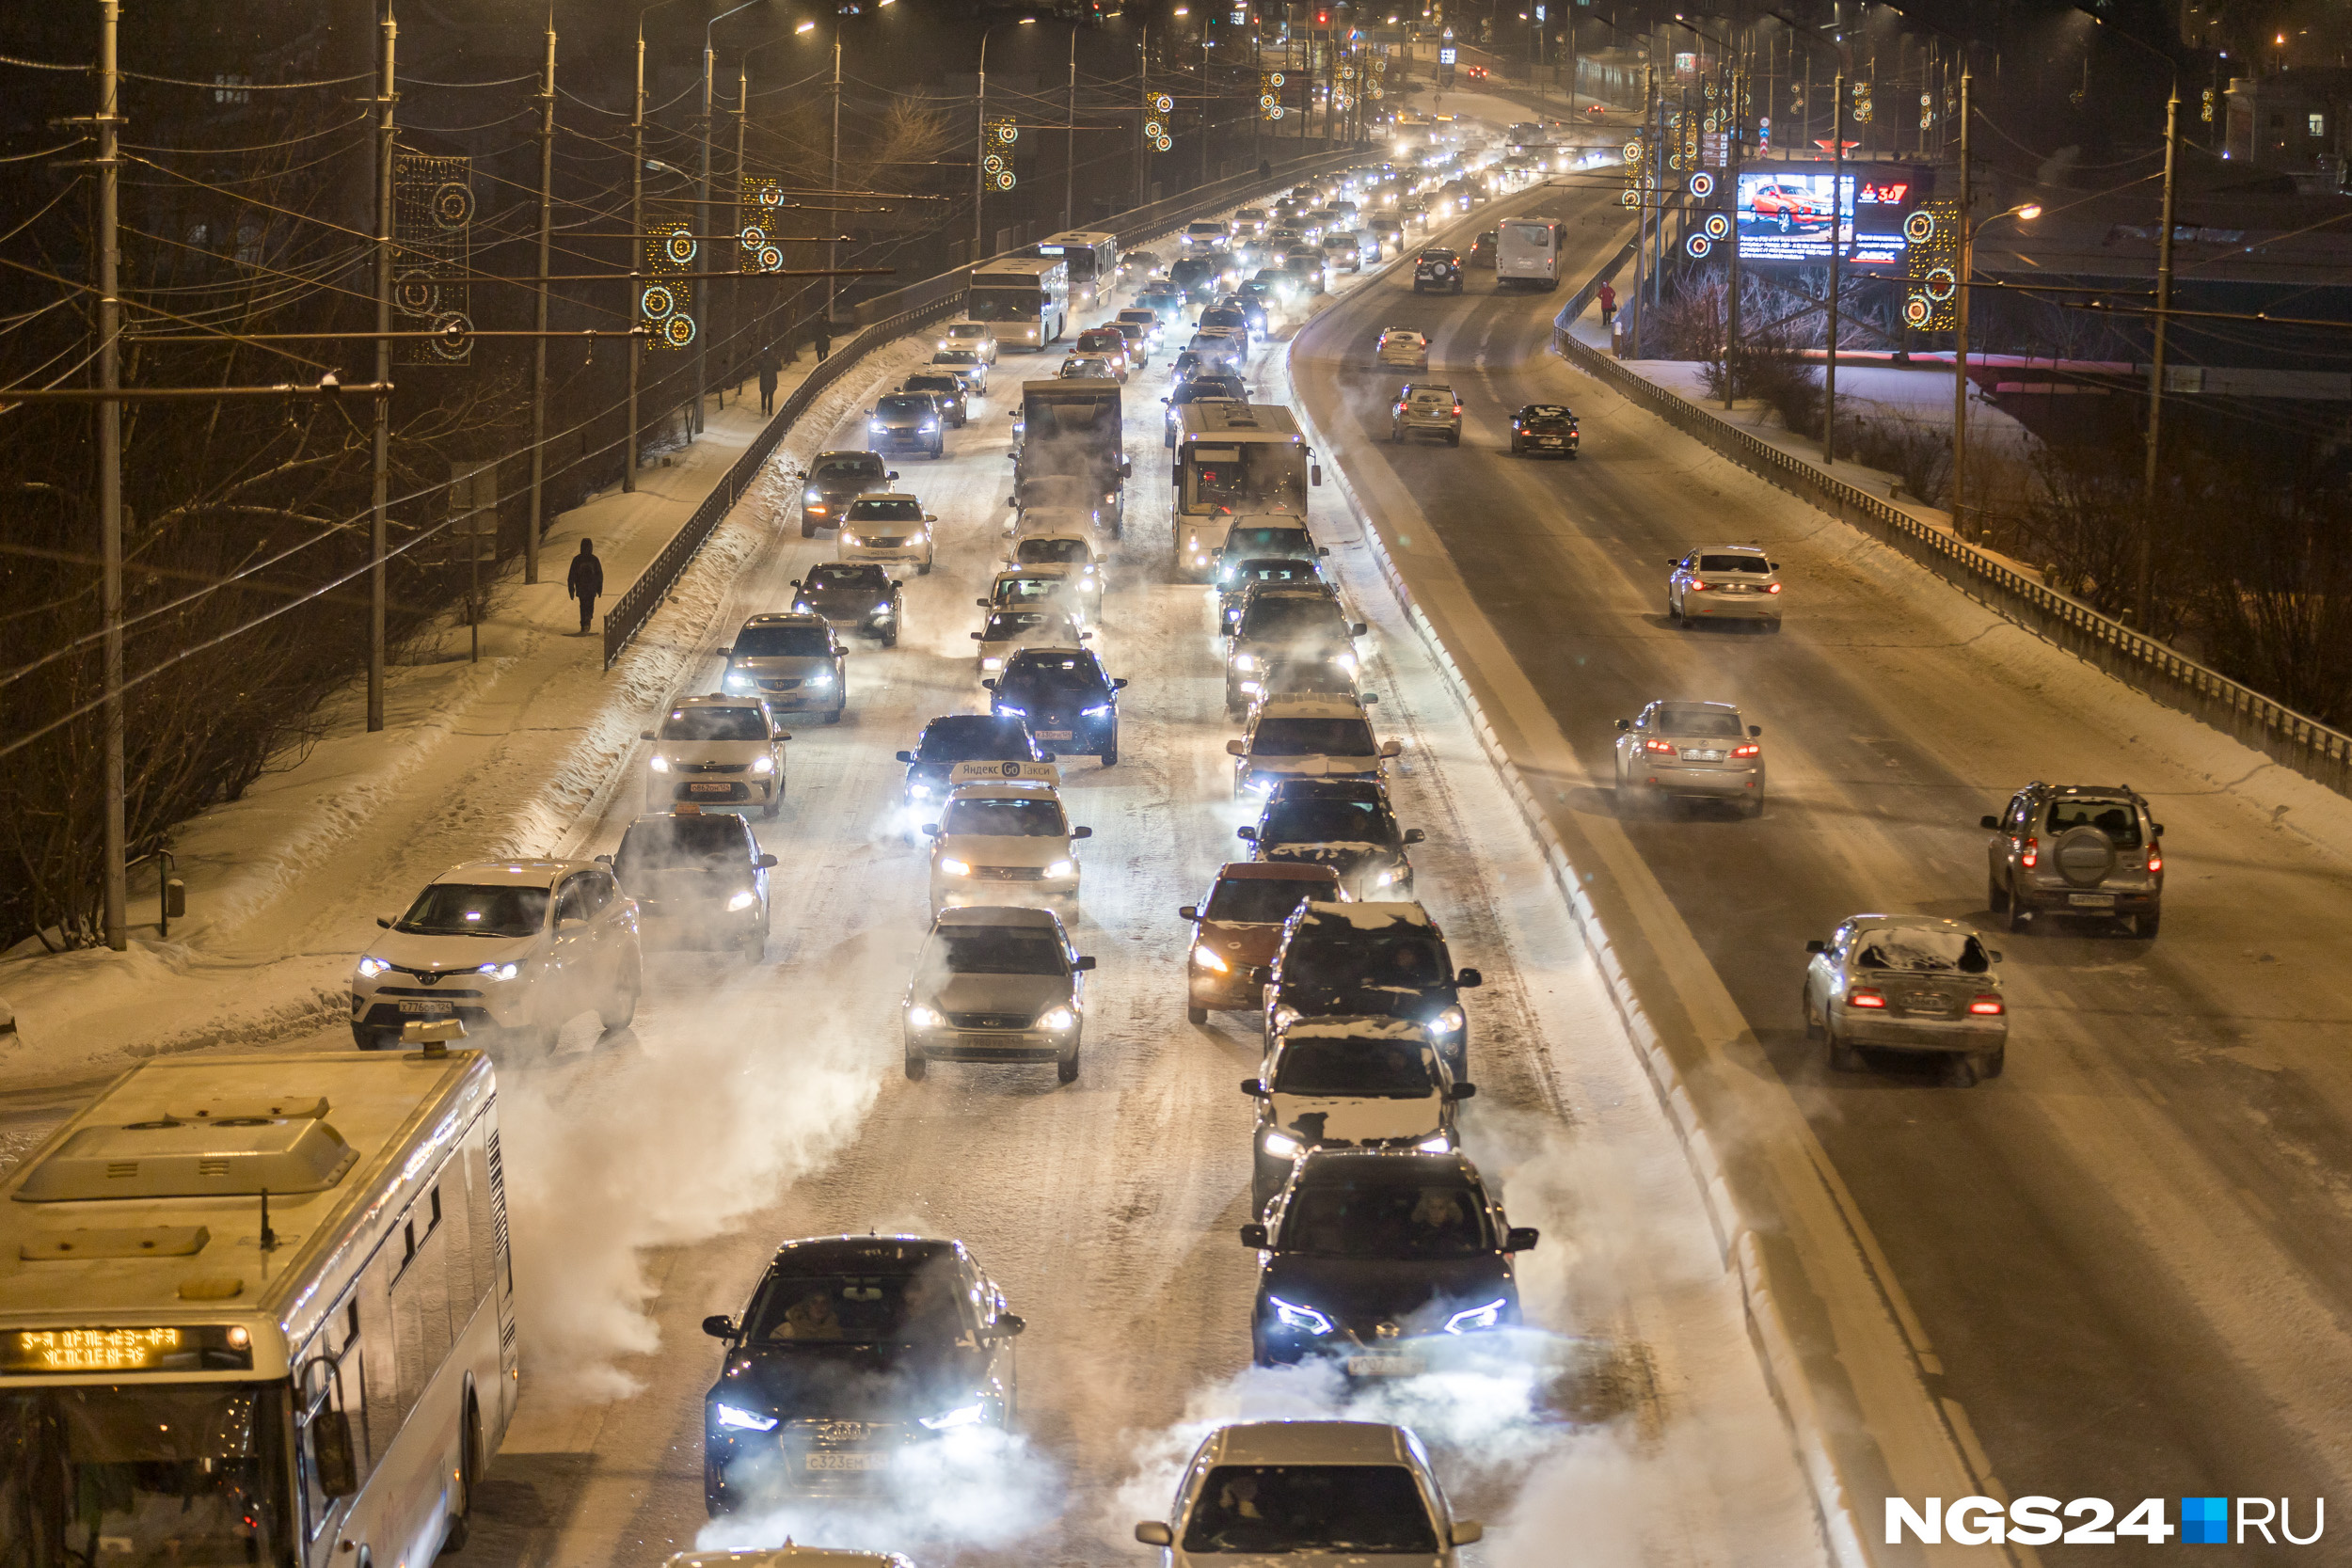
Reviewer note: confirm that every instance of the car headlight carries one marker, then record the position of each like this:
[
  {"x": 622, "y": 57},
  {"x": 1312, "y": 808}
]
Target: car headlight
[
  {"x": 955, "y": 867},
  {"x": 501, "y": 972},
  {"x": 1206, "y": 958},
  {"x": 371, "y": 968},
  {"x": 876, "y": 426},
  {"x": 1258, "y": 783},
  {"x": 991, "y": 662},
  {"x": 1100, "y": 710},
  {"x": 763, "y": 764},
  {"x": 812, "y": 495},
  {"x": 1472, "y": 1319},
  {"x": 1244, "y": 661},
  {"x": 1390, "y": 877},
  {"x": 1448, "y": 1023},
  {"x": 658, "y": 763},
  {"x": 736, "y": 681},
  {"x": 1291, "y": 1315},
  {"x": 848, "y": 539},
  {"x": 962, "y": 1416},
  {"x": 822, "y": 677},
  {"x": 1061, "y": 869},
  {"x": 1345, "y": 661},
  {"x": 743, "y": 899},
  {"x": 1058, "y": 1020},
  {"x": 743, "y": 1421},
  {"x": 930, "y": 425},
  {"x": 1280, "y": 1144},
  {"x": 882, "y": 609},
  {"x": 1016, "y": 712}
]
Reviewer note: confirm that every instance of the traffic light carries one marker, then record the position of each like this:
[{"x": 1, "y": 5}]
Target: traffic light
[{"x": 1322, "y": 19}]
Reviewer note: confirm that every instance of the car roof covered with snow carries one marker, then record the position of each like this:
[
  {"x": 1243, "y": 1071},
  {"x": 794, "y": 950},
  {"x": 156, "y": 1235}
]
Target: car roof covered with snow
[
  {"x": 513, "y": 873},
  {"x": 1311, "y": 1443}
]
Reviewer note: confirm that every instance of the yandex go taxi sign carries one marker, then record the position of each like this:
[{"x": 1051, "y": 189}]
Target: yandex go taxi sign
[{"x": 2033, "y": 1521}]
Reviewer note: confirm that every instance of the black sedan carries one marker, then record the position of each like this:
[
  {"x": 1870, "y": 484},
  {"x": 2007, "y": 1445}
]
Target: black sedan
[
  {"x": 855, "y": 1350},
  {"x": 1345, "y": 824},
  {"x": 1544, "y": 429},
  {"x": 908, "y": 420},
  {"x": 858, "y": 595},
  {"x": 962, "y": 738},
  {"x": 947, "y": 389},
  {"x": 1370, "y": 958},
  {"x": 1064, "y": 697},
  {"x": 1383, "y": 1260},
  {"x": 835, "y": 479}
]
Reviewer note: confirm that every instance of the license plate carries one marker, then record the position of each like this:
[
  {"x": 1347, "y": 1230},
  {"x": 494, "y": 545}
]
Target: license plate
[
  {"x": 845, "y": 1462},
  {"x": 1385, "y": 1365},
  {"x": 1703, "y": 756},
  {"x": 1054, "y": 734},
  {"x": 430, "y": 1009},
  {"x": 2091, "y": 900},
  {"x": 710, "y": 790}
]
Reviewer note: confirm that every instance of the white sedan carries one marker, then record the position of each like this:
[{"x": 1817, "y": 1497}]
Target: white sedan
[{"x": 978, "y": 337}]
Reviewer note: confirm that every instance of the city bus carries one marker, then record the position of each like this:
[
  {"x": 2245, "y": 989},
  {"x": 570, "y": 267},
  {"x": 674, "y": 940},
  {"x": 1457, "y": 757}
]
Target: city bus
[
  {"x": 260, "y": 1311},
  {"x": 1232, "y": 458},
  {"x": 1093, "y": 260},
  {"x": 1025, "y": 298}
]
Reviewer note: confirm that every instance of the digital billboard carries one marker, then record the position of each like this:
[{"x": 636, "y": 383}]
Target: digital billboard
[{"x": 1784, "y": 213}]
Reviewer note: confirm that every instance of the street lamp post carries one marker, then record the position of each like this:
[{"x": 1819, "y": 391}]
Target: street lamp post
[
  {"x": 979, "y": 178},
  {"x": 637, "y": 238},
  {"x": 703, "y": 212},
  {"x": 1836, "y": 222},
  {"x": 2025, "y": 210}
]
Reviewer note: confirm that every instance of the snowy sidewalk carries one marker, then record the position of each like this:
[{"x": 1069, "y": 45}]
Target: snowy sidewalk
[{"x": 475, "y": 760}]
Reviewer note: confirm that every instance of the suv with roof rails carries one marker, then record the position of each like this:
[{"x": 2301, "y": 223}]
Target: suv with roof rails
[
  {"x": 1290, "y": 637},
  {"x": 1368, "y": 958},
  {"x": 2076, "y": 850},
  {"x": 1307, "y": 734},
  {"x": 833, "y": 479},
  {"x": 855, "y": 594},
  {"x": 1345, "y": 824},
  {"x": 789, "y": 661}
]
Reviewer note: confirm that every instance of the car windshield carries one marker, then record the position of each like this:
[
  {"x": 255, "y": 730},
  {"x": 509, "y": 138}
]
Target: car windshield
[
  {"x": 1734, "y": 563},
  {"x": 1437, "y": 256},
  {"x": 1223, "y": 317},
  {"x": 1546, "y": 419},
  {"x": 1360, "y": 1069},
  {"x": 1055, "y": 552},
  {"x": 974, "y": 737},
  {"x": 1389, "y": 1219},
  {"x": 1312, "y": 737},
  {"x": 1259, "y": 900},
  {"x": 1324, "y": 821},
  {"x": 1002, "y": 305},
  {"x": 715, "y": 723},
  {"x": 2118, "y": 819},
  {"x": 1056, "y": 490},
  {"x": 889, "y": 510},
  {"x": 1053, "y": 672},
  {"x": 853, "y": 466},
  {"x": 1020, "y": 623},
  {"x": 870, "y": 1309},
  {"x": 935, "y": 385},
  {"x": 1331, "y": 955},
  {"x": 993, "y": 950},
  {"x": 1293, "y": 615},
  {"x": 782, "y": 642},
  {"x": 1079, "y": 370},
  {"x": 1289, "y": 569},
  {"x": 903, "y": 407},
  {"x": 138, "y": 1474},
  {"x": 682, "y": 844},
  {"x": 1004, "y": 819},
  {"x": 462, "y": 909},
  {"x": 956, "y": 356},
  {"x": 822, "y": 579},
  {"x": 1139, "y": 318},
  {"x": 1252, "y": 540},
  {"x": 967, "y": 329},
  {"x": 1699, "y": 726},
  {"x": 1927, "y": 951},
  {"x": 1264, "y": 1509}
]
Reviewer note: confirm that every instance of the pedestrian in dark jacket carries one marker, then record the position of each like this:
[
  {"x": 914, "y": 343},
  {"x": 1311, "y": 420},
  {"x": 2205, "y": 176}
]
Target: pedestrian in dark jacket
[
  {"x": 585, "y": 581},
  {"x": 768, "y": 370},
  {"x": 824, "y": 340}
]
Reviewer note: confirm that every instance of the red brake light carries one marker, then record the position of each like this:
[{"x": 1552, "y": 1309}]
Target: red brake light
[
  {"x": 2156, "y": 860},
  {"x": 1865, "y": 999},
  {"x": 1698, "y": 587},
  {"x": 1664, "y": 749},
  {"x": 1457, "y": 408},
  {"x": 2032, "y": 855},
  {"x": 1747, "y": 750},
  {"x": 1771, "y": 588},
  {"x": 1986, "y": 1006}
]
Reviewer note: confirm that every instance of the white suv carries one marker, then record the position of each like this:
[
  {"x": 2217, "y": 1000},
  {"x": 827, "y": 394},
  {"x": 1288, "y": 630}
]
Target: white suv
[{"x": 1314, "y": 1490}]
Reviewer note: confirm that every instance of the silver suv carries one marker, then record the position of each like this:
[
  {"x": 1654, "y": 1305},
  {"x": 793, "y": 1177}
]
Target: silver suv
[{"x": 2088, "y": 849}]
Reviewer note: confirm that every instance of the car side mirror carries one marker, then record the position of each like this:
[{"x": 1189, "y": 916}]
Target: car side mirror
[
  {"x": 719, "y": 1326},
  {"x": 1253, "y": 1235},
  {"x": 604, "y": 860},
  {"x": 988, "y": 685},
  {"x": 1126, "y": 468},
  {"x": 1152, "y": 1532},
  {"x": 1247, "y": 834},
  {"x": 1414, "y": 836},
  {"x": 1082, "y": 964},
  {"x": 1817, "y": 946},
  {"x": 1236, "y": 749},
  {"x": 1253, "y": 1088},
  {"x": 1012, "y": 500},
  {"x": 1314, "y": 473},
  {"x": 930, "y": 830},
  {"x": 332, "y": 1454},
  {"x": 930, "y": 516},
  {"x": 1674, "y": 560},
  {"x": 892, "y": 474},
  {"x": 2159, "y": 828},
  {"x": 647, "y": 735},
  {"x": 1462, "y": 1532},
  {"x": 1045, "y": 756},
  {"x": 1084, "y": 636},
  {"x": 909, "y": 756},
  {"x": 1988, "y": 821},
  {"x": 1392, "y": 748},
  {"x": 982, "y": 603},
  {"x": 1188, "y": 912},
  {"x": 385, "y": 921},
  {"x": 1369, "y": 697},
  {"x": 1010, "y": 1323},
  {"x": 1772, "y": 564},
  {"x": 1469, "y": 980},
  {"x": 1465, "y": 1091},
  {"x": 1755, "y": 731},
  {"x": 1322, "y": 552},
  {"x": 1992, "y": 954},
  {"x": 767, "y": 863},
  {"x": 1081, "y": 832},
  {"x": 978, "y": 638},
  {"x": 1120, "y": 684},
  {"x": 570, "y": 923},
  {"x": 1357, "y": 628},
  {"x": 1522, "y": 1238}
]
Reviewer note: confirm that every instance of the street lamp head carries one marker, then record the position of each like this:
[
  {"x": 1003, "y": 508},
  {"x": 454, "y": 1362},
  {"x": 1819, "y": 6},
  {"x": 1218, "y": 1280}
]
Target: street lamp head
[
  {"x": 2029, "y": 212},
  {"x": 806, "y": 27}
]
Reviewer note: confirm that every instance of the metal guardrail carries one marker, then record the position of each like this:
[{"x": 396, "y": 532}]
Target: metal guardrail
[
  {"x": 2289, "y": 738},
  {"x": 938, "y": 297}
]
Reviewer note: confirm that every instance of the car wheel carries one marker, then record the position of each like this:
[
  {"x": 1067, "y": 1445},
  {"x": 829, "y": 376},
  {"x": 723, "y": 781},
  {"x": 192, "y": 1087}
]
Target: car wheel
[
  {"x": 1395, "y": 433},
  {"x": 2144, "y": 925},
  {"x": 1192, "y": 1015},
  {"x": 1784, "y": 222},
  {"x": 890, "y": 638},
  {"x": 622, "y": 1010},
  {"x": 808, "y": 531},
  {"x": 1842, "y": 1058},
  {"x": 1988, "y": 1063},
  {"x": 1752, "y": 807},
  {"x": 1995, "y": 895},
  {"x": 922, "y": 568},
  {"x": 1515, "y": 447},
  {"x": 768, "y": 812},
  {"x": 370, "y": 1038},
  {"x": 1110, "y": 757},
  {"x": 1805, "y": 1010},
  {"x": 1454, "y": 439},
  {"x": 754, "y": 946},
  {"x": 1066, "y": 1070},
  {"x": 2020, "y": 913},
  {"x": 916, "y": 1066},
  {"x": 834, "y": 717}
]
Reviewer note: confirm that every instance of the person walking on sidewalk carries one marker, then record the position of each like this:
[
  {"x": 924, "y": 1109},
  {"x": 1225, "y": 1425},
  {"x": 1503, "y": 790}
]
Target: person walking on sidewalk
[
  {"x": 1608, "y": 298},
  {"x": 585, "y": 581},
  {"x": 768, "y": 370},
  {"x": 824, "y": 340}
]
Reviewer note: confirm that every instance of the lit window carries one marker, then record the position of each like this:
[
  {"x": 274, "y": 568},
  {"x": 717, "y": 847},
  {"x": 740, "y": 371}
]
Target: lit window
[{"x": 2318, "y": 124}]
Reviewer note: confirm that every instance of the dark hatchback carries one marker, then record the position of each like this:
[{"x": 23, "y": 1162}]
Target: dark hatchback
[
  {"x": 855, "y": 1350},
  {"x": 1382, "y": 958},
  {"x": 948, "y": 390},
  {"x": 849, "y": 593},
  {"x": 908, "y": 420},
  {"x": 964, "y": 738},
  {"x": 1345, "y": 824},
  {"x": 689, "y": 873},
  {"x": 834, "y": 478},
  {"x": 1383, "y": 1260},
  {"x": 1233, "y": 580},
  {"x": 1545, "y": 427},
  {"x": 1064, "y": 697}
]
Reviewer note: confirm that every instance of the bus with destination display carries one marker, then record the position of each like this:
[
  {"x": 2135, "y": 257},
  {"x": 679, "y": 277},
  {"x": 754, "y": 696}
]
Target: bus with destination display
[
  {"x": 1025, "y": 298},
  {"x": 1092, "y": 259}
]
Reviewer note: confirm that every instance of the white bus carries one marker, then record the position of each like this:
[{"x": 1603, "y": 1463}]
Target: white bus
[
  {"x": 1093, "y": 260},
  {"x": 1233, "y": 459},
  {"x": 1527, "y": 251},
  {"x": 259, "y": 1311},
  {"x": 1026, "y": 300}
]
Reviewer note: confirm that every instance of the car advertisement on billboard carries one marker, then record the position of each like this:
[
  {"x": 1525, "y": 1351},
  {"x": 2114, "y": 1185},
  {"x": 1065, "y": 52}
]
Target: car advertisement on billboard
[{"x": 1784, "y": 213}]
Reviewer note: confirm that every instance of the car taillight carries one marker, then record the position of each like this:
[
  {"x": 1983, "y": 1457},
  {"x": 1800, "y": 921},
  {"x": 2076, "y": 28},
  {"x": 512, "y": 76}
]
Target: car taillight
[
  {"x": 2156, "y": 861},
  {"x": 1865, "y": 999},
  {"x": 1986, "y": 1006},
  {"x": 2031, "y": 855},
  {"x": 1771, "y": 588},
  {"x": 1457, "y": 410},
  {"x": 1663, "y": 747},
  {"x": 1698, "y": 587},
  {"x": 1747, "y": 750}
]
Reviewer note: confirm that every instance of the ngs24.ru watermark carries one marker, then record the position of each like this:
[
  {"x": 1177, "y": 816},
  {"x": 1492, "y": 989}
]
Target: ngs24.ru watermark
[{"x": 2093, "y": 1522}]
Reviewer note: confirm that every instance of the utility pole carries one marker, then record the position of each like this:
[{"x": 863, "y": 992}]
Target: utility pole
[
  {"x": 735, "y": 285},
  {"x": 636, "y": 250},
  {"x": 2145, "y": 595},
  {"x": 115, "y": 916},
  {"x": 1204, "y": 100},
  {"x": 1960, "y": 324},
  {"x": 1068, "y": 137},
  {"x": 1734, "y": 123},
  {"x": 979, "y": 153},
  {"x": 1836, "y": 249},
  {"x": 1641, "y": 216},
  {"x": 378, "y": 518},
  {"x": 539, "y": 310},
  {"x": 1143, "y": 113},
  {"x": 832, "y": 246}
]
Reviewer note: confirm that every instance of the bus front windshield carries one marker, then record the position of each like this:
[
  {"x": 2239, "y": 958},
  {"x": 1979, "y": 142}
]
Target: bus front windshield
[
  {"x": 1002, "y": 305},
  {"x": 190, "y": 1474}
]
